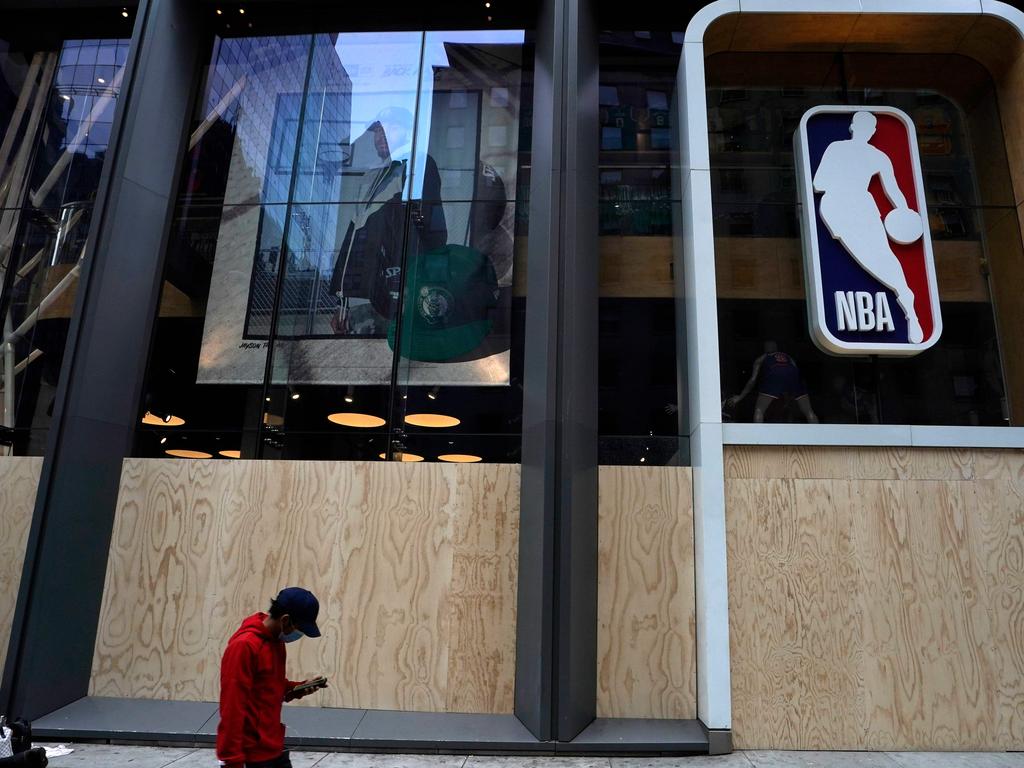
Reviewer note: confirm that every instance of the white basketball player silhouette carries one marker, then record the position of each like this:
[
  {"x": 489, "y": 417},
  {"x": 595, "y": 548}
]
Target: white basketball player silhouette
[{"x": 852, "y": 217}]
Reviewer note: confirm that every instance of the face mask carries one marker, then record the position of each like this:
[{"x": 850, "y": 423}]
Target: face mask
[{"x": 291, "y": 637}]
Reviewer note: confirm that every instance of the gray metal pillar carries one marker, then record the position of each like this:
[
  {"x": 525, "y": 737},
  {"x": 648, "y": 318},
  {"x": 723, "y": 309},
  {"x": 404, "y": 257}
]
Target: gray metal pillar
[
  {"x": 98, "y": 397},
  {"x": 556, "y": 643}
]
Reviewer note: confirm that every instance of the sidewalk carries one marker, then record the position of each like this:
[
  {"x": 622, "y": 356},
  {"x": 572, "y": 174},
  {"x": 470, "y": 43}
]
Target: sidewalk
[{"x": 113, "y": 756}]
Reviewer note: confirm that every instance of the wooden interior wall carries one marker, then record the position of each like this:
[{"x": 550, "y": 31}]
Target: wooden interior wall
[
  {"x": 646, "y": 614},
  {"x": 415, "y": 567},
  {"x": 19, "y": 478},
  {"x": 876, "y": 598}
]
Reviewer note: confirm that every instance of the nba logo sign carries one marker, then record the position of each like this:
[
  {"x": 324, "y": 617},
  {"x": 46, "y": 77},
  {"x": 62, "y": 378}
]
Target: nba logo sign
[{"x": 868, "y": 262}]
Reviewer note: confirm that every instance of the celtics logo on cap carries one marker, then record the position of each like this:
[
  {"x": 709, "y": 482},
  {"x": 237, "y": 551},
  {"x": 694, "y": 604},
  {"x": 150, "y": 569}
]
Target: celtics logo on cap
[{"x": 435, "y": 303}]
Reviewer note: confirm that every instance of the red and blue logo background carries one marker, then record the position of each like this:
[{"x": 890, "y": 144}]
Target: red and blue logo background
[{"x": 839, "y": 271}]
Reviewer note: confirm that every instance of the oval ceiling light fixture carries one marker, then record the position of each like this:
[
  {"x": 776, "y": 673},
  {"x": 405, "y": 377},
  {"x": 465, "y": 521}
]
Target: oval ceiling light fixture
[
  {"x": 360, "y": 420},
  {"x": 231, "y": 454},
  {"x": 184, "y": 453},
  {"x": 434, "y": 420},
  {"x": 406, "y": 456},
  {"x": 156, "y": 421},
  {"x": 460, "y": 458}
]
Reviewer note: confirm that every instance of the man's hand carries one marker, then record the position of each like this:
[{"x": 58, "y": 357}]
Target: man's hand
[{"x": 294, "y": 694}]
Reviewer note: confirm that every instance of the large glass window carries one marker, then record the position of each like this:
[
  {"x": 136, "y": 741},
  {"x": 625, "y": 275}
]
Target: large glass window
[
  {"x": 641, "y": 397},
  {"x": 344, "y": 275},
  {"x": 771, "y": 371},
  {"x": 57, "y": 99}
]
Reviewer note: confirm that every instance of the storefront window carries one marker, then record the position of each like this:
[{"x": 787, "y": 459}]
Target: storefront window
[
  {"x": 57, "y": 104},
  {"x": 641, "y": 398},
  {"x": 771, "y": 371},
  {"x": 343, "y": 277}
]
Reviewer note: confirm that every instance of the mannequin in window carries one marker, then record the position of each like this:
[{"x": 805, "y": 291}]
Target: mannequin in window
[
  {"x": 776, "y": 377},
  {"x": 368, "y": 268}
]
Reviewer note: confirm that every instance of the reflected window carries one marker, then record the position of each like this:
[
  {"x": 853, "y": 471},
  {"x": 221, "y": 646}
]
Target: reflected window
[
  {"x": 56, "y": 113},
  {"x": 344, "y": 266},
  {"x": 640, "y": 384}
]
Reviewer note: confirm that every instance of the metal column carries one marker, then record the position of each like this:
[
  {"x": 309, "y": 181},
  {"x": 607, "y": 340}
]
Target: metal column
[
  {"x": 556, "y": 643},
  {"x": 98, "y": 396}
]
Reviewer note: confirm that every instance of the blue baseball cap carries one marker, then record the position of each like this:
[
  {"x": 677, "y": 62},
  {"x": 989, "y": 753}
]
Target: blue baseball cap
[{"x": 302, "y": 606}]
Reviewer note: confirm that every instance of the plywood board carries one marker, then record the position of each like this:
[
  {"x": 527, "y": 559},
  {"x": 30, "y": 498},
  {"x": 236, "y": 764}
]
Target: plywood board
[
  {"x": 646, "y": 614},
  {"x": 19, "y": 478},
  {"x": 806, "y": 462},
  {"x": 414, "y": 565},
  {"x": 881, "y": 614}
]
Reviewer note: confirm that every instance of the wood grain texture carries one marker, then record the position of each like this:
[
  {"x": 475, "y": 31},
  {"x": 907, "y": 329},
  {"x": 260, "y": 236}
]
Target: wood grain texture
[
  {"x": 880, "y": 613},
  {"x": 414, "y": 565},
  {"x": 646, "y": 614},
  {"x": 19, "y": 478},
  {"x": 807, "y": 462}
]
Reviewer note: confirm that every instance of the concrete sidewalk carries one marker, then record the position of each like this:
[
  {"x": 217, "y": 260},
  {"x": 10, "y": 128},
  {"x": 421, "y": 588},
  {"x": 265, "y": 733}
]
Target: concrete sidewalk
[{"x": 115, "y": 756}]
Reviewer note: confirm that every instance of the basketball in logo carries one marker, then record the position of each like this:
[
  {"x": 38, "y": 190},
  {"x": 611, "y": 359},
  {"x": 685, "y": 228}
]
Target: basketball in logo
[{"x": 870, "y": 273}]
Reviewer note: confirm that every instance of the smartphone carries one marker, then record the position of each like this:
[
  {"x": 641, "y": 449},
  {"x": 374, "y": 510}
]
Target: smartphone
[{"x": 310, "y": 685}]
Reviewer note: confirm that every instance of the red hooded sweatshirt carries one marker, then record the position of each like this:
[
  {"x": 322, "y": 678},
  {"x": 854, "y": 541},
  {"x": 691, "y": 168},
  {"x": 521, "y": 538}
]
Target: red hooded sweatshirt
[{"x": 252, "y": 690}]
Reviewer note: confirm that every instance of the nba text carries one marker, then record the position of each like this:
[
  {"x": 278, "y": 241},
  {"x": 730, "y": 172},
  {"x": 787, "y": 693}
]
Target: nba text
[{"x": 863, "y": 311}]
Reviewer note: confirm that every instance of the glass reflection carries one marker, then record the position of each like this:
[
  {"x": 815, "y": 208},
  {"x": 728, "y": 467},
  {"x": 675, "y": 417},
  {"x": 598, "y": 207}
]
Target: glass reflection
[
  {"x": 640, "y": 383},
  {"x": 348, "y": 236},
  {"x": 56, "y": 113}
]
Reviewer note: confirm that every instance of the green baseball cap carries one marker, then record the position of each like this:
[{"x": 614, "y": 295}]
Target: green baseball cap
[{"x": 450, "y": 295}]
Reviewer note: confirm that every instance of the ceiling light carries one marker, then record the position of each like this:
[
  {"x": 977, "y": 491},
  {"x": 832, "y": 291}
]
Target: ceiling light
[
  {"x": 183, "y": 453},
  {"x": 361, "y": 420},
  {"x": 433, "y": 393},
  {"x": 436, "y": 420},
  {"x": 241, "y": 10},
  {"x": 487, "y": 5},
  {"x": 296, "y": 395},
  {"x": 65, "y": 97},
  {"x": 643, "y": 459},
  {"x": 124, "y": 12},
  {"x": 350, "y": 395},
  {"x": 101, "y": 81},
  {"x": 220, "y": 12},
  {"x": 231, "y": 454},
  {"x": 163, "y": 440},
  {"x": 166, "y": 421},
  {"x": 460, "y": 458},
  {"x": 403, "y": 456}
]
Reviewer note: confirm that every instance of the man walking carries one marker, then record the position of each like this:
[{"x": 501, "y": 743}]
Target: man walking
[{"x": 253, "y": 685}]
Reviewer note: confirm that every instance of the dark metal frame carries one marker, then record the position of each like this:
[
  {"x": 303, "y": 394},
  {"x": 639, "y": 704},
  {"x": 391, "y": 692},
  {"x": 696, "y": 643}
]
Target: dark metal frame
[{"x": 556, "y": 637}]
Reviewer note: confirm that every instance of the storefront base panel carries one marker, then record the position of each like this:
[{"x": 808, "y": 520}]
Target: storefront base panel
[
  {"x": 195, "y": 723},
  {"x": 415, "y": 567},
  {"x": 876, "y": 598},
  {"x": 19, "y": 478},
  {"x": 646, "y": 614}
]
